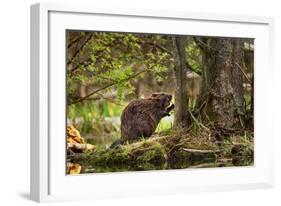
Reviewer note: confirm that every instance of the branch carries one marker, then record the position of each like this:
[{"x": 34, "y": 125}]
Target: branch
[
  {"x": 198, "y": 123},
  {"x": 200, "y": 151},
  {"x": 80, "y": 147},
  {"x": 188, "y": 66},
  {"x": 86, "y": 63},
  {"x": 245, "y": 75},
  {"x": 109, "y": 99},
  {"x": 162, "y": 48},
  {"x": 81, "y": 47},
  {"x": 105, "y": 87},
  {"x": 74, "y": 41},
  {"x": 201, "y": 44}
]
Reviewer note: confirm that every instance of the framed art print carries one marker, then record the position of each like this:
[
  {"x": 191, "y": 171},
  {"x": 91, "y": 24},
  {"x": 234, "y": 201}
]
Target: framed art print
[{"x": 136, "y": 102}]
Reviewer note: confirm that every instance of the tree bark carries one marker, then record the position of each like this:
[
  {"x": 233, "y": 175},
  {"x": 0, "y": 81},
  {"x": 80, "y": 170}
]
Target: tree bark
[
  {"x": 223, "y": 85},
  {"x": 181, "y": 100},
  {"x": 222, "y": 102},
  {"x": 208, "y": 70},
  {"x": 237, "y": 75}
]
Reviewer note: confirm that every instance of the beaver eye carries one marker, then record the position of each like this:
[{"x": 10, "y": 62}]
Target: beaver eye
[{"x": 161, "y": 102}]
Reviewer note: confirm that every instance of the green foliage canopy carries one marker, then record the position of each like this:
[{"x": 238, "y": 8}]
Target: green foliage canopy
[{"x": 98, "y": 59}]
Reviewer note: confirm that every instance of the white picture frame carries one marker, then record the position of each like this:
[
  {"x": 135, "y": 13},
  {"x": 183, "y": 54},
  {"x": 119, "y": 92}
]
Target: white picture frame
[{"x": 48, "y": 179}]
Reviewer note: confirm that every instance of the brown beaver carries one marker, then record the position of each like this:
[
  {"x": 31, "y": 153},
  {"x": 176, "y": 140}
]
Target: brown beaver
[{"x": 141, "y": 116}]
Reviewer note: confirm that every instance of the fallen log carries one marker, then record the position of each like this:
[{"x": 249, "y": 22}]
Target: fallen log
[
  {"x": 78, "y": 148},
  {"x": 173, "y": 151},
  {"x": 157, "y": 151}
]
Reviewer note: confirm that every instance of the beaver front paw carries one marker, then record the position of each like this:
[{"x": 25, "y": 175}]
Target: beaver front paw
[{"x": 170, "y": 108}]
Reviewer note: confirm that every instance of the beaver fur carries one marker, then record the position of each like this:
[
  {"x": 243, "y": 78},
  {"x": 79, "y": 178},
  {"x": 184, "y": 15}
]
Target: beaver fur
[{"x": 141, "y": 116}]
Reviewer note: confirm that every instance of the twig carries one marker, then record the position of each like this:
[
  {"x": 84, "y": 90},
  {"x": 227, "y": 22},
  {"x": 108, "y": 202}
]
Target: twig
[
  {"x": 198, "y": 123},
  {"x": 163, "y": 49},
  {"x": 200, "y": 151},
  {"x": 80, "y": 49},
  {"x": 109, "y": 99},
  {"x": 86, "y": 63},
  {"x": 245, "y": 75},
  {"x": 202, "y": 45},
  {"x": 74, "y": 41},
  {"x": 105, "y": 87},
  {"x": 206, "y": 97}
]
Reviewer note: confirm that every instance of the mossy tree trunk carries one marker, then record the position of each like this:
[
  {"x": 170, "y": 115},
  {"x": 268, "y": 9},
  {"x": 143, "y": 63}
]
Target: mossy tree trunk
[
  {"x": 222, "y": 91},
  {"x": 237, "y": 77},
  {"x": 181, "y": 99}
]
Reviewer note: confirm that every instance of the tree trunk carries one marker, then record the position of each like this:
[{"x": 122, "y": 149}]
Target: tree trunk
[
  {"x": 224, "y": 85},
  {"x": 181, "y": 100},
  {"x": 222, "y": 102},
  {"x": 249, "y": 63},
  {"x": 237, "y": 77},
  {"x": 208, "y": 71}
]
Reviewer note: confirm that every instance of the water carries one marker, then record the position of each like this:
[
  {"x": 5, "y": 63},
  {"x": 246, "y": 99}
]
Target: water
[{"x": 150, "y": 167}]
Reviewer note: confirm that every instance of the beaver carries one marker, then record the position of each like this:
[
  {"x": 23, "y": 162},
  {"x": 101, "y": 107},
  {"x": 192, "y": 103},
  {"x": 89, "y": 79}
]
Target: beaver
[{"x": 141, "y": 117}]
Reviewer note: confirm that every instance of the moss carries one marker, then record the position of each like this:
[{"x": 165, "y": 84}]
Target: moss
[
  {"x": 120, "y": 155},
  {"x": 173, "y": 151},
  {"x": 242, "y": 155},
  {"x": 148, "y": 152},
  {"x": 155, "y": 154}
]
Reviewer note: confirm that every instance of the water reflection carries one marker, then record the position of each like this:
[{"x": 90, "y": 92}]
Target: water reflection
[{"x": 160, "y": 166}]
